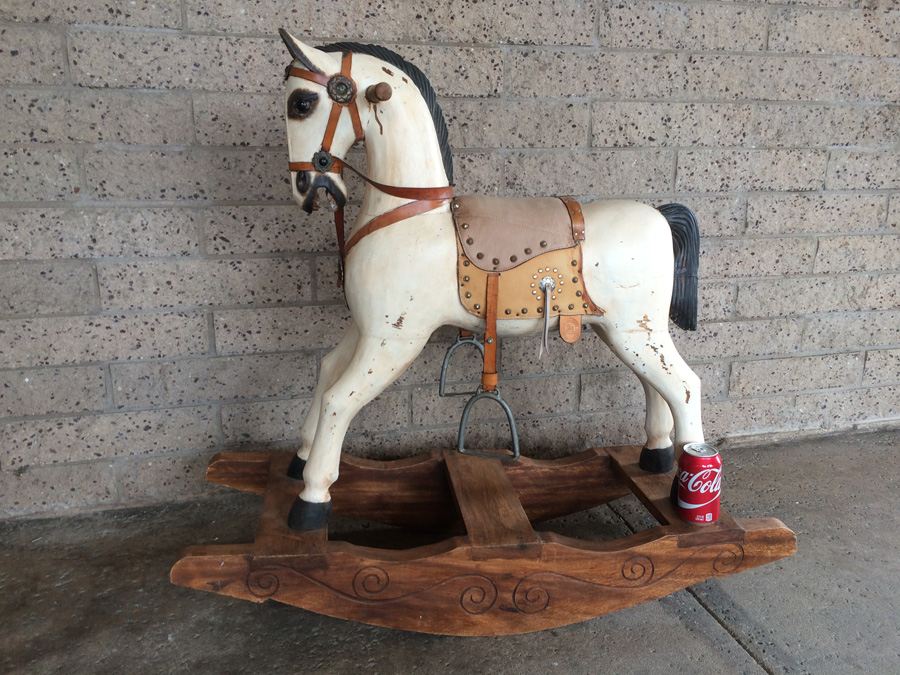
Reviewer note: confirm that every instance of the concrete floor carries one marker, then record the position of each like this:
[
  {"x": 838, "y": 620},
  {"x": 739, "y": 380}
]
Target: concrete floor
[{"x": 91, "y": 594}]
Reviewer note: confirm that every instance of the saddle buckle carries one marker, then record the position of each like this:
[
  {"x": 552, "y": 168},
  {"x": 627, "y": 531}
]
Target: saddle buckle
[
  {"x": 491, "y": 395},
  {"x": 461, "y": 340}
]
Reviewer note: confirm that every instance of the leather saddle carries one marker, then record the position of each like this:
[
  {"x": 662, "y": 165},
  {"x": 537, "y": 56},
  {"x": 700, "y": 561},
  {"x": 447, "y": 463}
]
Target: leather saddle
[
  {"x": 525, "y": 241},
  {"x": 499, "y": 233}
]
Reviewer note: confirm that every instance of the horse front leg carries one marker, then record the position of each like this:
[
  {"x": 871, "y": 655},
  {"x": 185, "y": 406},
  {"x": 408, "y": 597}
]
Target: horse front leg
[
  {"x": 333, "y": 365},
  {"x": 375, "y": 364}
]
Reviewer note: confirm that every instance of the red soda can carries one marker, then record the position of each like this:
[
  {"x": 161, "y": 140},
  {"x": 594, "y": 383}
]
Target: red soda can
[{"x": 699, "y": 483}]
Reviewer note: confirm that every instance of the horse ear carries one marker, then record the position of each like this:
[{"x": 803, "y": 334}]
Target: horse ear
[{"x": 309, "y": 57}]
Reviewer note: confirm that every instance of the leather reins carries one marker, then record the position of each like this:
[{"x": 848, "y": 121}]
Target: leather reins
[{"x": 342, "y": 91}]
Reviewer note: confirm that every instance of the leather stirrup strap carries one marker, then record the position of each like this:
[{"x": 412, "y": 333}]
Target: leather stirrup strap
[
  {"x": 387, "y": 218},
  {"x": 576, "y": 217},
  {"x": 489, "y": 376}
]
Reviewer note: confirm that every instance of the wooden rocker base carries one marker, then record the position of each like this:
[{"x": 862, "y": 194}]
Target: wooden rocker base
[{"x": 499, "y": 578}]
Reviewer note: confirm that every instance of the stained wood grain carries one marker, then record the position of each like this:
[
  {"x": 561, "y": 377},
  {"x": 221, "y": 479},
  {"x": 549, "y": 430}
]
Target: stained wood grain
[
  {"x": 414, "y": 492},
  {"x": 490, "y": 508},
  {"x": 500, "y": 578}
]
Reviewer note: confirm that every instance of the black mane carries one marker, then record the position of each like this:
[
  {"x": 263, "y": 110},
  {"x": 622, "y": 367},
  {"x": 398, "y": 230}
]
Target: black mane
[{"x": 418, "y": 78}]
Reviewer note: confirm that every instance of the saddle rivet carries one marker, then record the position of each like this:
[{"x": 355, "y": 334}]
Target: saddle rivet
[
  {"x": 571, "y": 306},
  {"x": 496, "y": 261},
  {"x": 477, "y": 306},
  {"x": 584, "y": 304},
  {"x": 465, "y": 226},
  {"x": 524, "y": 310},
  {"x": 574, "y": 280},
  {"x": 540, "y": 270},
  {"x": 532, "y": 284},
  {"x": 513, "y": 258},
  {"x": 465, "y": 263},
  {"x": 543, "y": 244},
  {"x": 574, "y": 263},
  {"x": 468, "y": 295},
  {"x": 470, "y": 241},
  {"x": 455, "y": 205},
  {"x": 578, "y": 294},
  {"x": 558, "y": 276},
  {"x": 556, "y": 269},
  {"x": 533, "y": 292},
  {"x": 555, "y": 308},
  {"x": 490, "y": 340},
  {"x": 540, "y": 310},
  {"x": 509, "y": 311},
  {"x": 465, "y": 278},
  {"x": 534, "y": 276},
  {"x": 479, "y": 255},
  {"x": 527, "y": 251}
]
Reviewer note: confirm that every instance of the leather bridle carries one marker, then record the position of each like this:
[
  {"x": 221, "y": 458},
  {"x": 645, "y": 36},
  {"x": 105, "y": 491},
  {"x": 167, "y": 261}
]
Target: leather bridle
[{"x": 342, "y": 91}]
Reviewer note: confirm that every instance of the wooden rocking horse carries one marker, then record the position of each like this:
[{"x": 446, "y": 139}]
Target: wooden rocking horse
[{"x": 420, "y": 258}]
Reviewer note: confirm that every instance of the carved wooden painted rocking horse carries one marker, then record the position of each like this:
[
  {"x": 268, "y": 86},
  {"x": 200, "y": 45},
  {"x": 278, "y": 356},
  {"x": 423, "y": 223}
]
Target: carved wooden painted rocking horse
[{"x": 420, "y": 258}]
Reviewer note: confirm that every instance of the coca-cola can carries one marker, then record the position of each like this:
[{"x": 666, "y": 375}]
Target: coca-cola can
[{"x": 699, "y": 484}]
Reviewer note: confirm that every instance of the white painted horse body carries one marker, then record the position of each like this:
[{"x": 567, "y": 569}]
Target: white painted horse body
[{"x": 401, "y": 281}]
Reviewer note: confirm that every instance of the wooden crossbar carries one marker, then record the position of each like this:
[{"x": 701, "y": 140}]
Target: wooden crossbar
[
  {"x": 654, "y": 491},
  {"x": 495, "y": 521}
]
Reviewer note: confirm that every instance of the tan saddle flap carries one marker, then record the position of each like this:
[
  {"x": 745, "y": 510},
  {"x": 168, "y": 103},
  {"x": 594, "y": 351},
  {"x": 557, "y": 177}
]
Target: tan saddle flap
[
  {"x": 519, "y": 294},
  {"x": 499, "y": 233}
]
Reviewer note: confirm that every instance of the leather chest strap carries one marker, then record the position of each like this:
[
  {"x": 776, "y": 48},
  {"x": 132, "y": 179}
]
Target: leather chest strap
[
  {"x": 402, "y": 212},
  {"x": 489, "y": 376},
  {"x": 576, "y": 216}
]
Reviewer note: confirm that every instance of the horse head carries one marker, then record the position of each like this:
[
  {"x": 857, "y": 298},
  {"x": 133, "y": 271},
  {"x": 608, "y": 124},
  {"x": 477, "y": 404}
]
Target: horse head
[{"x": 319, "y": 87}]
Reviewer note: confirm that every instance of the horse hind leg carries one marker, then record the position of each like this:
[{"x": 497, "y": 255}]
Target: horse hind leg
[
  {"x": 646, "y": 346},
  {"x": 375, "y": 364},
  {"x": 658, "y": 454},
  {"x": 333, "y": 364}
]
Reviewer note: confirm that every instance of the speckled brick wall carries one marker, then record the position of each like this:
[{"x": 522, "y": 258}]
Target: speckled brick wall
[{"x": 161, "y": 298}]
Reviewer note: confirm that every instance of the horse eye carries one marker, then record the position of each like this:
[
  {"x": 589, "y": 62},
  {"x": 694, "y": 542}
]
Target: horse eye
[{"x": 301, "y": 104}]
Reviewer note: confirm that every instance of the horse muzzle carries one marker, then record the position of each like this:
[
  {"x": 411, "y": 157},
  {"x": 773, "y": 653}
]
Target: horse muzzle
[{"x": 313, "y": 187}]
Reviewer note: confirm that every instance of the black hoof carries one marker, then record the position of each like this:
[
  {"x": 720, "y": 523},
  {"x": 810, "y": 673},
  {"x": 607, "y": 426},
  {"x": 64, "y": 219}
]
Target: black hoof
[
  {"x": 660, "y": 460},
  {"x": 307, "y": 516},
  {"x": 295, "y": 470}
]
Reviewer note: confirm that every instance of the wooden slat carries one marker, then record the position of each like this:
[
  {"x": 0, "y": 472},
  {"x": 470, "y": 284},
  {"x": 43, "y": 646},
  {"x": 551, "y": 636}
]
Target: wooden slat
[
  {"x": 244, "y": 471},
  {"x": 654, "y": 491},
  {"x": 414, "y": 492},
  {"x": 490, "y": 508},
  {"x": 273, "y": 536},
  {"x": 548, "y": 488}
]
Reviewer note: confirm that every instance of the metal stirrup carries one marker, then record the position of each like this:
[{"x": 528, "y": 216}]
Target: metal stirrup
[
  {"x": 493, "y": 395},
  {"x": 461, "y": 339}
]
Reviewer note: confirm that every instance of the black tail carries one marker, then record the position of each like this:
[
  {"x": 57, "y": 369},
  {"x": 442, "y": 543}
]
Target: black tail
[{"x": 686, "y": 242}]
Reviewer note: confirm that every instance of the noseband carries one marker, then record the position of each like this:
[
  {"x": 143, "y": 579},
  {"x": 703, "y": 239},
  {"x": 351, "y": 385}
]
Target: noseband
[{"x": 342, "y": 91}]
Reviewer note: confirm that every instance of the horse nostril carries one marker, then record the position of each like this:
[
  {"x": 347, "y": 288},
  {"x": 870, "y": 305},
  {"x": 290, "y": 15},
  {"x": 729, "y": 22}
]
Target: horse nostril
[{"x": 302, "y": 181}]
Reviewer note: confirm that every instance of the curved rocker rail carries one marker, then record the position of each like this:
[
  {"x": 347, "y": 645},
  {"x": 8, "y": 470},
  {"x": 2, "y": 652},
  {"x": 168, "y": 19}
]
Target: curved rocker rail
[{"x": 501, "y": 577}]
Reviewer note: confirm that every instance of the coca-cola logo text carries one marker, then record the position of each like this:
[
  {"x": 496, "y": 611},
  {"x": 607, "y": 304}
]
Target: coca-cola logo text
[{"x": 706, "y": 481}]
